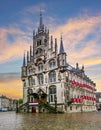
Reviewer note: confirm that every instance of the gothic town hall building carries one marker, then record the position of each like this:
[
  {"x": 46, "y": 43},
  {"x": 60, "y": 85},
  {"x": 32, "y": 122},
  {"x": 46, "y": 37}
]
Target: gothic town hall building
[{"x": 50, "y": 83}]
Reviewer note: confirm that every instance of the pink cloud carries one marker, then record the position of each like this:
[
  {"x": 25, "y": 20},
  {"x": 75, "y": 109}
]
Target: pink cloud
[
  {"x": 75, "y": 32},
  {"x": 12, "y": 49}
]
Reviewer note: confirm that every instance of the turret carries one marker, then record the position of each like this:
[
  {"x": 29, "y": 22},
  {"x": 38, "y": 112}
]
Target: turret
[
  {"x": 83, "y": 71},
  {"x": 56, "y": 46},
  {"x": 31, "y": 54},
  {"x": 24, "y": 69},
  {"x": 40, "y": 42},
  {"x": 61, "y": 47},
  {"x": 83, "y": 68},
  {"x": 28, "y": 57},
  {"x": 41, "y": 25},
  {"x": 24, "y": 61},
  {"x": 33, "y": 33},
  {"x": 51, "y": 43},
  {"x": 77, "y": 66},
  {"x": 62, "y": 55}
]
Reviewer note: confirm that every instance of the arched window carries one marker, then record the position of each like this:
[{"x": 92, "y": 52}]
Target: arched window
[
  {"x": 52, "y": 64},
  {"x": 31, "y": 81},
  {"x": 39, "y": 51},
  {"x": 40, "y": 79},
  {"x": 52, "y": 93},
  {"x": 30, "y": 70},
  {"x": 40, "y": 67},
  {"x": 52, "y": 76},
  {"x": 39, "y": 42}
]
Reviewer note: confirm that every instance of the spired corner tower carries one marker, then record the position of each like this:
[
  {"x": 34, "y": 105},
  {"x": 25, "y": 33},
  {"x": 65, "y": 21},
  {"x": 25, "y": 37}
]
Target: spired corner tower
[{"x": 50, "y": 84}]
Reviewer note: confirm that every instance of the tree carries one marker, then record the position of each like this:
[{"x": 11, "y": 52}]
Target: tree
[{"x": 20, "y": 101}]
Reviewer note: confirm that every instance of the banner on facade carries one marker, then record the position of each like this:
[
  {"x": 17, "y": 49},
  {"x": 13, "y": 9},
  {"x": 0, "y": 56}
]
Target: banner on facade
[{"x": 33, "y": 103}]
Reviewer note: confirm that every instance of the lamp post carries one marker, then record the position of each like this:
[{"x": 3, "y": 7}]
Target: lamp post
[
  {"x": 47, "y": 94},
  {"x": 17, "y": 106},
  {"x": 56, "y": 104},
  {"x": 28, "y": 103}
]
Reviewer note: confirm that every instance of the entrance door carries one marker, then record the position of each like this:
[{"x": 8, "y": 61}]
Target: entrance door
[{"x": 33, "y": 110}]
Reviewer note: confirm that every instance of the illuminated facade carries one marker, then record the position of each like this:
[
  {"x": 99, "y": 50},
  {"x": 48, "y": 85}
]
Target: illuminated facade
[{"x": 45, "y": 71}]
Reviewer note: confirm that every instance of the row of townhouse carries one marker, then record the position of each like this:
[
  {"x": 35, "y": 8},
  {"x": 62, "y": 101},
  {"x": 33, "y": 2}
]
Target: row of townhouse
[{"x": 7, "y": 104}]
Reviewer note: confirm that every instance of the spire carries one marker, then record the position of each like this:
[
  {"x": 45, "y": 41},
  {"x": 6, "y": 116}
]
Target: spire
[
  {"x": 33, "y": 48},
  {"x": 82, "y": 67},
  {"x": 52, "y": 43},
  {"x": 24, "y": 61},
  {"x": 77, "y": 66},
  {"x": 40, "y": 19},
  {"x": 30, "y": 52},
  {"x": 33, "y": 32},
  {"x": 61, "y": 46},
  {"x": 41, "y": 25},
  {"x": 55, "y": 45},
  {"x": 27, "y": 56}
]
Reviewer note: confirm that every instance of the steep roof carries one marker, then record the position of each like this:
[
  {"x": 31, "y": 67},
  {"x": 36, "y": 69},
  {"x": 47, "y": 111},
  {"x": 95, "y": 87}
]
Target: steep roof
[{"x": 61, "y": 46}]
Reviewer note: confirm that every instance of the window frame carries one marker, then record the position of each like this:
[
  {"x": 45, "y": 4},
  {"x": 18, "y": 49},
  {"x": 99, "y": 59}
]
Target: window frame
[
  {"x": 52, "y": 93},
  {"x": 52, "y": 76},
  {"x": 40, "y": 67},
  {"x": 52, "y": 64},
  {"x": 40, "y": 79}
]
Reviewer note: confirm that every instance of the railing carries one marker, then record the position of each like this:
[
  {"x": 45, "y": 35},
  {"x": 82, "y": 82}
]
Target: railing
[
  {"x": 51, "y": 108},
  {"x": 18, "y": 108},
  {"x": 46, "y": 105}
]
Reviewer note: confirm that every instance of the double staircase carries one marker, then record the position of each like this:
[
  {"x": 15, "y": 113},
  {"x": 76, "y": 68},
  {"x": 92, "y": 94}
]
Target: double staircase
[
  {"x": 51, "y": 109},
  {"x": 41, "y": 99},
  {"x": 21, "y": 107}
]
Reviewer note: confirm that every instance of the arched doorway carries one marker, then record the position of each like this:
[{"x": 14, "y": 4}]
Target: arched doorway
[{"x": 52, "y": 93}]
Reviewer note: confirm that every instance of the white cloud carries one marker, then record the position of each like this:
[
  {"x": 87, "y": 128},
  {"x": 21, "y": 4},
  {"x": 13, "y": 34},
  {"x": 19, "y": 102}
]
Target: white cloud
[
  {"x": 79, "y": 47},
  {"x": 76, "y": 38}
]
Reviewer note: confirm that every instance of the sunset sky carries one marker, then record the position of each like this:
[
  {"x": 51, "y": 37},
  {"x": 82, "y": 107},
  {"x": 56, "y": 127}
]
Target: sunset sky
[{"x": 79, "y": 21}]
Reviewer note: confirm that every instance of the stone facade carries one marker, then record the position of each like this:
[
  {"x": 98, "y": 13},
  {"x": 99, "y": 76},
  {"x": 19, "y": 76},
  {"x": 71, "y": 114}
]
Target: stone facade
[
  {"x": 7, "y": 104},
  {"x": 68, "y": 88}
]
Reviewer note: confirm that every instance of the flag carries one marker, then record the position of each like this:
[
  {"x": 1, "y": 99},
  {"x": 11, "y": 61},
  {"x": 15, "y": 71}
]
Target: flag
[{"x": 33, "y": 103}]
